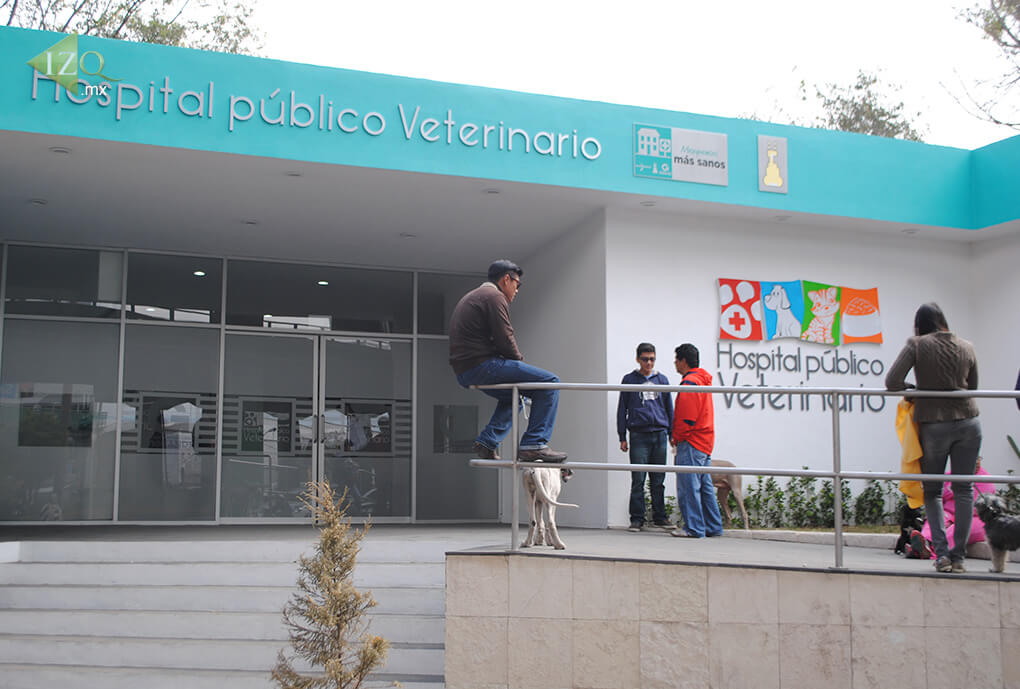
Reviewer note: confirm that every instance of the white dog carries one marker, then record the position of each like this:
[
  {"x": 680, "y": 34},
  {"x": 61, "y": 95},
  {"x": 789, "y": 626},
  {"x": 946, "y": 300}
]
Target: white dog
[
  {"x": 543, "y": 485},
  {"x": 787, "y": 324}
]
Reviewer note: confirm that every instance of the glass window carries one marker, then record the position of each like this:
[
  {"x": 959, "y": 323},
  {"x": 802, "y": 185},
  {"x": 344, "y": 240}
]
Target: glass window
[
  {"x": 174, "y": 288},
  {"x": 449, "y": 419},
  {"x": 58, "y": 415},
  {"x": 268, "y": 426},
  {"x": 168, "y": 454},
  {"x": 437, "y": 295},
  {"x": 318, "y": 298},
  {"x": 367, "y": 423},
  {"x": 64, "y": 282}
]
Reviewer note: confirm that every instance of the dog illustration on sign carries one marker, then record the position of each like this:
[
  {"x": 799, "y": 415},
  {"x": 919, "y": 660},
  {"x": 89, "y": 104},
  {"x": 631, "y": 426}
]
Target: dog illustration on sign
[{"x": 787, "y": 325}]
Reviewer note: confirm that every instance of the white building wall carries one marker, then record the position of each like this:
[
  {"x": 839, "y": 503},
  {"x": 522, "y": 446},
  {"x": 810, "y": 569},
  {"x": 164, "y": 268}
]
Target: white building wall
[
  {"x": 560, "y": 322},
  {"x": 995, "y": 285},
  {"x": 661, "y": 274}
]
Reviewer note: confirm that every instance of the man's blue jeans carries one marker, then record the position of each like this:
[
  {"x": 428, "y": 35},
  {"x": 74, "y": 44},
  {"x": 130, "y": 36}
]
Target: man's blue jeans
[
  {"x": 696, "y": 494},
  {"x": 647, "y": 447},
  {"x": 543, "y": 402}
]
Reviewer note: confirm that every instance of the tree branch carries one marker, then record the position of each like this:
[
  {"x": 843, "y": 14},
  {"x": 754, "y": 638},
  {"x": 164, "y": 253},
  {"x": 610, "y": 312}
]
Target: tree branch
[
  {"x": 1004, "y": 27},
  {"x": 74, "y": 10},
  {"x": 14, "y": 8}
]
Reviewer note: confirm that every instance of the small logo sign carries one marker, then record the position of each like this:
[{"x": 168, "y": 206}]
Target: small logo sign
[
  {"x": 772, "y": 167},
  {"x": 653, "y": 151},
  {"x": 680, "y": 155},
  {"x": 62, "y": 63}
]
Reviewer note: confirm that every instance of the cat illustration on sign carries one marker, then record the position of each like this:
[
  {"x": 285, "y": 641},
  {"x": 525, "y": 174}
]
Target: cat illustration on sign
[{"x": 824, "y": 308}]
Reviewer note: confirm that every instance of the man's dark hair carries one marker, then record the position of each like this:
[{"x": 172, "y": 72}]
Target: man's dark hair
[
  {"x": 929, "y": 318},
  {"x": 645, "y": 347},
  {"x": 501, "y": 267},
  {"x": 689, "y": 353}
]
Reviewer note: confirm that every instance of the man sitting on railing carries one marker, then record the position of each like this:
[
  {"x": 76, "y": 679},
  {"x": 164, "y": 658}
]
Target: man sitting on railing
[
  {"x": 694, "y": 437},
  {"x": 483, "y": 351}
]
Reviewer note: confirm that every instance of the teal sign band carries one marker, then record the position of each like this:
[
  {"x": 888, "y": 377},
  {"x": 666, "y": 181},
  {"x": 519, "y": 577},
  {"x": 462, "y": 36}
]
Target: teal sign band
[{"x": 216, "y": 102}]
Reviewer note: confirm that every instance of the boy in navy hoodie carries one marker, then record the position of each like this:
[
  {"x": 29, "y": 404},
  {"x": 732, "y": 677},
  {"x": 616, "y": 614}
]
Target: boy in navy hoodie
[{"x": 647, "y": 415}]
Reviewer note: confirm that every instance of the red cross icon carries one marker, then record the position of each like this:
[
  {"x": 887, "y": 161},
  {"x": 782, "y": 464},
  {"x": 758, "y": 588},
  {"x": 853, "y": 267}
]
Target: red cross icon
[{"x": 737, "y": 321}]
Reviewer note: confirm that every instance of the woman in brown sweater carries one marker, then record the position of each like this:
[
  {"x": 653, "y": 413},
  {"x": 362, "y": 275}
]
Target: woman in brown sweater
[{"x": 948, "y": 427}]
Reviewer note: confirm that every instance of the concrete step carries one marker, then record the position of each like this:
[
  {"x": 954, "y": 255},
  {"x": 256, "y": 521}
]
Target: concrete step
[
  {"x": 430, "y": 600},
  {"x": 191, "y": 654},
  {"x": 20, "y": 676},
  {"x": 199, "y": 573},
  {"x": 213, "y": 551},
  {"x": 263, "y": 626}
]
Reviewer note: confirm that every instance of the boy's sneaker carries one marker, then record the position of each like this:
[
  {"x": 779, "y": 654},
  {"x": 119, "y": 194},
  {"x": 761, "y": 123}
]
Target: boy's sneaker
[
  {"x": 943, "y": 564},
  {"x": 663, "y": 525},
  {"x": 919, "y": 546},
  {"x": 958, "y": 567},
  {"x": 635, "y": 527}
]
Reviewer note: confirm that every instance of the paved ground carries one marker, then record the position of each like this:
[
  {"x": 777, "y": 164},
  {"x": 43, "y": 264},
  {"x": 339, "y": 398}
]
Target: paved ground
[{"x": 812, "y": 550}]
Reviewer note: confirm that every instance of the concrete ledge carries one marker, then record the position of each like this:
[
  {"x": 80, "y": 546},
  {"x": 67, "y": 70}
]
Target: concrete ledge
[
  {"x": 10, "y": 551},
  {"x": 651, "y": 625},
  {"x": 884, "y": 541}
]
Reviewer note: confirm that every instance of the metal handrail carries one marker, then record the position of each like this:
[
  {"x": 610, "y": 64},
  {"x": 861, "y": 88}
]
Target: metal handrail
[{"x": 837, "y": 474}]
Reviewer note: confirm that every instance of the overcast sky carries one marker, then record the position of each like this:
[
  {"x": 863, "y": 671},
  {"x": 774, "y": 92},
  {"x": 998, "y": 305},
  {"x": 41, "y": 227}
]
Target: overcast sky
[{"x": 735, "y": 59}]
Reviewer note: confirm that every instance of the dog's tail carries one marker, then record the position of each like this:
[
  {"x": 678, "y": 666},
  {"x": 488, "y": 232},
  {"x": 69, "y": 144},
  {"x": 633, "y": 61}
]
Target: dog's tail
[{"x": 540, "y": 490}]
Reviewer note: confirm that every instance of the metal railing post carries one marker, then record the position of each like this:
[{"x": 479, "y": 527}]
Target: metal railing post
[
  {"x": 837, "y": 484},
  {"x": 515, "y": 438}
]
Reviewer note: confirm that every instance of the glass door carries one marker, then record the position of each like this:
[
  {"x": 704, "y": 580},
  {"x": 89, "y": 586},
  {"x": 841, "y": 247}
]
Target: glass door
[
  {"x": 300, "y": 407},
  {"x": 269, "y": 434},
  {"x": 365, "y": 388}
]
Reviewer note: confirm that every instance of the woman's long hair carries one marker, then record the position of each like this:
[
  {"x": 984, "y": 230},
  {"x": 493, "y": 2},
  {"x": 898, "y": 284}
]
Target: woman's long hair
[{"x": 929, "y": 318}]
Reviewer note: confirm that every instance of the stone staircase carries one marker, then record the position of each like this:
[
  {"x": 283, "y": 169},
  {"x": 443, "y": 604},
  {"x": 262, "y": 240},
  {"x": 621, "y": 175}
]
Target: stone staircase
[{"x": 198, "y": 613}]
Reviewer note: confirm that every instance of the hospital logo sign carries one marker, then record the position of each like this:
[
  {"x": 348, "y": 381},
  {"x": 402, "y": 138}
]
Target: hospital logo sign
[{"x": 680, "y": 155}]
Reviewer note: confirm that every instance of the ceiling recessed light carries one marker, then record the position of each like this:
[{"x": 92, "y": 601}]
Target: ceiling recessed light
[
  {"x": 783, "y": 218},
  {"x": 149, "y": 309},
  {"x": 648, "y": 204},
  {"x": 490, "y": 190},
  {"x": 408, "y": 235},
  {"x": 250, "y": 222},
  {"x": 63, "y": 150},
  {"x": 322, "y": 283},
  {"x": 909, "y": 230},
  {"x": 199, "y": 273},
  {"x": 293, "y": 173},
  {"x": 38, "y": 202},
  {"x": 267, "y": 315}
]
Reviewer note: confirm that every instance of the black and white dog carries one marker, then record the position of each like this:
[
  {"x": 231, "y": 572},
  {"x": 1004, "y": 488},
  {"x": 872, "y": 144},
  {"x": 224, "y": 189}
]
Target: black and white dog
[
  {"x": 911, "y": 520},
  {"x": 1002, "y": 530}
]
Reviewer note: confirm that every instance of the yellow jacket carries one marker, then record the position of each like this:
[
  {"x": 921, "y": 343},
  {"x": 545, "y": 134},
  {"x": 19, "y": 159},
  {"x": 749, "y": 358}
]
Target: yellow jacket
[{"x": 910, "y": 462}]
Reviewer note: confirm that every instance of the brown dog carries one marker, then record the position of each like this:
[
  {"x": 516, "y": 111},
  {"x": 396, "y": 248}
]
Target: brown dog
[{"x": 726, "y": 484}]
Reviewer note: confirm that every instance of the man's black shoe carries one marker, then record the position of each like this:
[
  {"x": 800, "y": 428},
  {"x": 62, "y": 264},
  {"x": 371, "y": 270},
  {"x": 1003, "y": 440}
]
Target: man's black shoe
[
  {"x": 482, "y": 452},
  {"x": 542, "y": 455}
]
